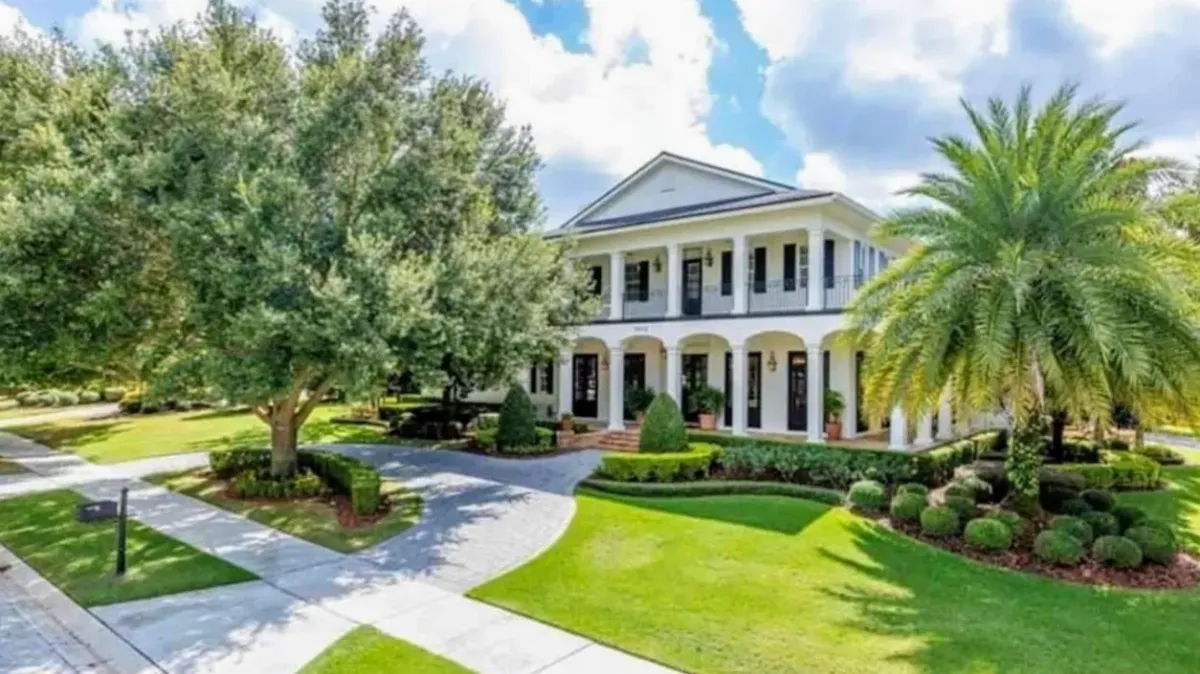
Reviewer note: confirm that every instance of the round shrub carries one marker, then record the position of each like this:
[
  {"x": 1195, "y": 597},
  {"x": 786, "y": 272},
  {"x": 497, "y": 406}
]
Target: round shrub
[
  {"x": 1076, "y": 507},
  {"x": 1102, "y": 524},
  {"x": 958, "y": 490},
  {"x": 1159, "y": 525},
  {"x": 516, "y": 427},
  {"x": 663, "y": 429},
  {"x": 1099, "y": 499},
  {"x": 1073, "y": 526},
  {"x": 88, "y": 397},
  {"x": 939, "y": 521},
  {"x": 974, "y": 487},
  {"x": 27, "y": 398},
  {"x": 1157, "y": 546},
  {"x": 1129, "y": 515},
  {"x": 907, "y": 506},
  {"x": 868, "y": 495},
  {"x": 988, "y": 534},
  {"x": 964, "y": 506},
  {"x": 1117, "y": 551},
  {"x": 1012, "y": 520},
  {"x": 65, "y": 399},
  {"x": 1058, "y": 547},
  {"x": 45, "y": 398},
  {"x": 913, "y": 488},
  {"x": 113, "y": 394}
]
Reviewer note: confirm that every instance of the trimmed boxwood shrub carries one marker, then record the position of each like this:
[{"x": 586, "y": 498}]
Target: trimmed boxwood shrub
[
  {"x": 907, "y": 506},
  {"x": 913, "y": 488},
  {"x": 1076, "y": 507},
  {"x": 255, "y": 484},
  {"x": 1157, "y": 545},
  {"x": 343, "y": 474},
  {"x": 718, "y": 488},
  {"x": 1099, "y": 499},
  {"x": 1073, "y": 526},
  {"x": 516, "y": 425},
  {"x": 65, "y": 399},
  {"x": 663, "y": 429},
  {"x": 89, "y": 397},
  {"x": 1058, "y": 547},
  {"x": 960, "y": 491},
  {"x": 939, "y": 521},
  {"x": 970, "y": 486},
  {"x": 868, "y": 495},
  {"x": 963, "y": 505},
  {"x": 1129, "y": 515},
  {"x": 1164, "y": 455},
  {"x": 1102, "y": 523},
  {"x": 988, "y": 534},
  {"x": 1119, "y": 470},
  {"x": 693, "y": 464},
  {"x": 112, "y": 394},
  {"x": 1010, "y": 519},
  {"x": 1117, "y": 551}
]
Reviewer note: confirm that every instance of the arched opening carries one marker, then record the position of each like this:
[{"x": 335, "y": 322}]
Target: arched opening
[
  {"x": 644, "y": 373},
  {"x": 705, "y": 359},
  {"x": 587, "y": 390},
  {"x": 777, "y": 391}
]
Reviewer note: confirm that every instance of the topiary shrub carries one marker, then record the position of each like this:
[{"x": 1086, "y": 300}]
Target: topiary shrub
[
  {"x": 1157, "y": 545},
  {"x": 1058, "y": 547},
  {"x": 1117, "y": 551},
  {"x": 970, "y": 486},
  {"x": 1102, "y": 524},
  {"x": 89, "y": 397},
  {"x": 1129, "y": 515},
  {"x": 113, "y": 394},
  {"x": 867, "y": 495},
  {"x": 663, "y": 429},
  {"x": 907, "y": 506},
  {"x": 939, "y": 521},
  {"x": 964, "y": 506},
  {"x": 913, "y": 488},
  {"x": 1164, "y": 455},
  {"x": 1099, "y": 499},
  {"x": 1010, "y": 519},
  {"x": 517, "y": 417},
  {"x": 959, "y": 491},
  {"x": 1073, "y": 526},
  {"x": 988, "y": 534},
  {"x": 1076, "y": 507},
  {"x": 65, "y": 399},
  {"x": 693, "y": 464}
]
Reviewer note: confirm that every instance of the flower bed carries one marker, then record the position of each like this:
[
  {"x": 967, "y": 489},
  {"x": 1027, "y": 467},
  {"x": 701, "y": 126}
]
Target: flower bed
[{"x": 344, "y": 475}]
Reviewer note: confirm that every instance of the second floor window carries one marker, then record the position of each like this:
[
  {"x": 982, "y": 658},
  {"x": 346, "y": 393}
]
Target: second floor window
[
  {"x": 789, "y": 267},
  {"x": 804, "y": 266},
  {"x": 597, "y": 280},
  {"x": 637, "y": 281},
  {"x": 758, "y": 270},
  {"x": 727, "y": 272}
]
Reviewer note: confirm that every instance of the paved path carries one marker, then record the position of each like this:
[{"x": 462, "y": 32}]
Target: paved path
[
  {"x": 1177, "y": 440},
  {"x": 483, "y": 516},
  {"x": 81, "y": 412}
]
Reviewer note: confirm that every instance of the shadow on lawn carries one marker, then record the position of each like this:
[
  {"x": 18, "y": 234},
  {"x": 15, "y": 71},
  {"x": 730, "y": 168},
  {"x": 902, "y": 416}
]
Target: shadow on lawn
[
  {"x": 717, "y": 508},
  {"x": 1174, "y": 505},
  {"x": 57, "y": 435},
  {"x": 962, "y": 616}
]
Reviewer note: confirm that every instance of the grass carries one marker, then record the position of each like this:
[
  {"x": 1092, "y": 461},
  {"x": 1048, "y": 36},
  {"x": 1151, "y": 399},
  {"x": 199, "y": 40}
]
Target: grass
[
  {"x": 1178, "y": 505},
  {"x": 312, "y": 520},
  {"x": 143, "y": 436},
  {"x": 773, "y": 584},
  {"x": 80, "y": 558},
  {"x": 10, "y": 468},
  {"x": 366, "y": 649}
]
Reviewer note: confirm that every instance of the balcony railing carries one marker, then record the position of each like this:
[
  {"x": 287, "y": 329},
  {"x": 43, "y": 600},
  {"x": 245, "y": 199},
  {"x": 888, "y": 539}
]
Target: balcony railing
[
  {"x": 840, "y": 290},
  {"x": 773, "y": 296},
  {"x": 777, "y": 295},
  {"x": 716, "y": 301},
  {"x": 650, "y": 304}
]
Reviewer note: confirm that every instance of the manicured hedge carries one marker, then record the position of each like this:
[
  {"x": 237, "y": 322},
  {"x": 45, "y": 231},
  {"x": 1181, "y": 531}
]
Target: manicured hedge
[
  {"x": 663, "y": 429},
  {"x": 1119, "y": 470},
  {"x": 696, "y": 463},
  {"x": 717, "y": 488},
  {"x": 1164, "y": 455},
  {"x": 485, "y": 439},
  {"x": 344, "y": 474}
]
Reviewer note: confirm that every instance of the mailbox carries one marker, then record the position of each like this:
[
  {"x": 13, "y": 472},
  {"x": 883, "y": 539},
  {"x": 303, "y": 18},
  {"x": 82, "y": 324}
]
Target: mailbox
[{"x": 96, "y": 511}]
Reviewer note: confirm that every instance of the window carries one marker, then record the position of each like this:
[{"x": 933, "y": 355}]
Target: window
[
  {"x": 871, "y": 261},
  {"x": 758, "y": 269},
  {"x": 829, "y": 255},
  {"x": 727, "y": 272},
  {"x": 597, "y": 280},
  {"x": 541, "y": 377},
  {"x": 883, "y": 260},
  {"x": 858, "y": 263},
  {"x": 533, "y": 378},
  {"x": 789, "y": 266},
  {"x": 825, "y": 369},
  {"x": 804, "y": 266},
  {"x": 637, "y": 281}
]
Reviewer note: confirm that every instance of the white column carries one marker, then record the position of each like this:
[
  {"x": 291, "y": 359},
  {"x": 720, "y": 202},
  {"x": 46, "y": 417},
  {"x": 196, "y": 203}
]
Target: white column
[
  {"x": 616, "y": 389},
  {"x": 566, "y": 381},
  {"x": 739, "y": 274},
  {"x": 674, "y": 282},
  {"x": 945, "y": 420},
  {"x": 925, "y": 430},
  {"x": 738, "y": 372},
  {"x": 899, "y": 431},
  {"x": 816, "y": 269},
  {"x": 616, "y": 285},
  {"x": 816, "y": 396},
  {"x": 674, "y": 378}
]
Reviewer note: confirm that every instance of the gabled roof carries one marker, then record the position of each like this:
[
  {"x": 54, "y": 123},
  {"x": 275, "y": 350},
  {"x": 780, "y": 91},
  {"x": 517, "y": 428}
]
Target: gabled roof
[{"x": 767, "y": 186}]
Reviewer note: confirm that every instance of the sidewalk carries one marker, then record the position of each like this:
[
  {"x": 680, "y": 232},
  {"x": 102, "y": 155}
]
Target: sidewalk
[{"x": 308, "y": 596}]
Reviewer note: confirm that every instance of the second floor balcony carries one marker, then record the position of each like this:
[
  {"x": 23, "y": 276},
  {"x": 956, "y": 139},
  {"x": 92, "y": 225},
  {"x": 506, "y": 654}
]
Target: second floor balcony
[{"x": 764, "y": 297}]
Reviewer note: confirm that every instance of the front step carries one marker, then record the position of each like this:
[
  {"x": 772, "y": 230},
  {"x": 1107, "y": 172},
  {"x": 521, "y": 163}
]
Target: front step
[{"x": 613, "y": 441}]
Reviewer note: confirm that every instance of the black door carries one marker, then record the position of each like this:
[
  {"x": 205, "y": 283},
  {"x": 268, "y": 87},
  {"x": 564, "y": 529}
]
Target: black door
[
  {"x": 754, "y": 389},
  {"x": 586, "y": 397},
  {"x": 695, "y": 375},
  {"x": 860, "y": 420},
  {"x": 797, "y": 391},
  {"x": 728, "y": 389},
  {"x": 635, "y": 378},
  {"x": 693, "y": 286}
]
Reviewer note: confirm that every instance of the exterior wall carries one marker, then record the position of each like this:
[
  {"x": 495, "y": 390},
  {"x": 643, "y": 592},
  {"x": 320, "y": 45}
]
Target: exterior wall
[{"x": 672, "y": 185}]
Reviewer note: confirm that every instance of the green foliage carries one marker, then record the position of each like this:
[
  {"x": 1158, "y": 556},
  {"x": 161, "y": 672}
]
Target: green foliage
[
  {"x": 709, "y": 399},
  {"x": 1015, "y": 523},
  {"x": 1129, "y": 515},
  {"x": 1023, "y": 464},
  {"x": 1102, "y": 523},
  {"x": 718, "y": 488},
  {"x": 1058, "y": 547},
  {"x": 1074, "y": 506},
  {"x": 988, "y": 534},
  {"x": 972, "y": 487},
  {"x": 692, "y": 464},
  {"x": 517, "y": 420},
  {"x": 940, "y": 521},
  {"x": 834, "y": 404},
  {"x": 908, "y": 506},
  {"x": 488, "y": 421},
  {"x": 913, "y": 488},
  {"x": 1157, "y": 545},
  {"x": 89, "y": 397},
  {"x": 639, "y": 399},
  {"x": 1117, "y": 551},
  {"x": 258, "y": 484},
  {"x": 663, "y": 429},
  {"x": 1120, "y": 470},
  {"x": 113, "y": 394},
  {"x": 963, "y": 505},
  {"x": 868, "y": 495},
  {"x": 1164, "y": 455},
  {"x": 1073, "y": 526},
  {"x": 343, "y": 474},
  {"x": 1098, "y": 499}
]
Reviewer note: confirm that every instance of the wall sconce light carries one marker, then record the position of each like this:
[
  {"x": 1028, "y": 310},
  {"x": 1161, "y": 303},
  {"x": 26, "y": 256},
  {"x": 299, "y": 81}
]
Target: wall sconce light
[
  {"x": 708, "y": 258},
  {"x": 657, "y": 264},
  {"x": 662, "y": 352},
  {"x": 604, "y": 363},
  {"x": 772, "y": 364}
]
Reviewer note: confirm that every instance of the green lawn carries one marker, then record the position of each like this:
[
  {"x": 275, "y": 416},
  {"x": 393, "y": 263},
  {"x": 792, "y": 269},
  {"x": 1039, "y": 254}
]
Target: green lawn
[
  {"x": 80, "y": 558},
  {"x": 772, "y": 584},
  {"x": 144, "y": 436},
  {"x": 366, "y": 649},
  {"x": 1178, "y": 505},
  {"x": 311, "y": 520}
]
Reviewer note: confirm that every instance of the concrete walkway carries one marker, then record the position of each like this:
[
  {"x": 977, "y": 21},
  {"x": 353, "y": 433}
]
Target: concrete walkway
[
  {"x": 39, "y": 416},
  {"x": 483, "y": 516}
]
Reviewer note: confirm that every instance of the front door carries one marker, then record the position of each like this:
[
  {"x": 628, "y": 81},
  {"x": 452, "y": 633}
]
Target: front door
[
  {"x": 797, "y": 391},
  {"x": 693, "y": 287},
  {"x": 586, "y": 396},
  {"x": 635, "y": 378},
  {"x": 754, "y": 389},
  {"x": 728, "y": 389},
  {"x": 860, "y": 414},
  {"x": 695, "y": 375}
]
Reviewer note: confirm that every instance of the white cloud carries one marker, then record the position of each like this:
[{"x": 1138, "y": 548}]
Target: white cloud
[
  {"x": 1183, "y": 148},
  {"x": 1119, "y": 24},
  {"x": 876, "y": 189},
  {"x": 11, "y": 19},
  {"x": 110, "y": 21}
]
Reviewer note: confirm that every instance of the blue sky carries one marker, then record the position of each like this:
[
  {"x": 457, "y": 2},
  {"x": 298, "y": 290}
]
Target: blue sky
[{"x": 832, "y": 94}]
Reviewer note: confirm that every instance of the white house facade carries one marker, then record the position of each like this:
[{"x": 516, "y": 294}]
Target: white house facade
[{"x": 709, "y": 276}]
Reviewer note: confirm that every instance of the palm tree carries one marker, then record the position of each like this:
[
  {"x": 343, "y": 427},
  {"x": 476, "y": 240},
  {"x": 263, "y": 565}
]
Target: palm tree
[{"x": 1040, "y": 280}]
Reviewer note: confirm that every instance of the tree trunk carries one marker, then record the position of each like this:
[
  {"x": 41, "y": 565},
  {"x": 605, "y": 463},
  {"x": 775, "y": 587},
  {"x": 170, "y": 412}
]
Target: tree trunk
[
  {"x": 283, "y": 443},
  {"x": 1139, "y": 435},
  {"x": 1058, "y": 429}
]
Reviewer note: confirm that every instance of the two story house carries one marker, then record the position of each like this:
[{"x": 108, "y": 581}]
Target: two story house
[{"x": 711, "y": 276}]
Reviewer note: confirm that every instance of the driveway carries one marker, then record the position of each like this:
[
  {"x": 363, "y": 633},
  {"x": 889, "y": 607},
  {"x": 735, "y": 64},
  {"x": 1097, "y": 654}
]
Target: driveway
[{"x": 39, "y": 416}]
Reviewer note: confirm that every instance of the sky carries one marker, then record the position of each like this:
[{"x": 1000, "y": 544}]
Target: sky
[{"x": 823, "y": 94}]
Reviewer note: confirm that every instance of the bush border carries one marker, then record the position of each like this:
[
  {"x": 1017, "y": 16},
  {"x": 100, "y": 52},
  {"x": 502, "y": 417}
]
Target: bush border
[{"x": 716, "y": 488}]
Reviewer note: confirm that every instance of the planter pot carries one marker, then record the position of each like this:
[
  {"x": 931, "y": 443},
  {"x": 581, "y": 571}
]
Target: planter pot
[
  {"x": 833, "y": 430},
  {"x": 567, "y": 425},
  {"x": 708, "y": 422}
]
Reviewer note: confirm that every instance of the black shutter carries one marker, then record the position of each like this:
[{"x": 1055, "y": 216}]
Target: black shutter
[
  {"x": 825, "y": 369},
  {"x": 789, "y": 266},
  {"x": 727, "y": 272},
  {"x": 760, "y": 270},
  {"x": 597, "y": 279},
  {"x": 533, "y": 376},
  {"x": 549, "y": 387},
  {"x": 644, "y": 280},
  {"x": 829, "y": 263}
]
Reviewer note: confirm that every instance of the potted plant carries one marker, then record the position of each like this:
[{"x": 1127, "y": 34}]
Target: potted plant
[
  {"x": 834, "y": 405},
  {"x": 637, "y": 401},
  {"x": 708, "y": 401},
  {"x": 566, "y": 422}
]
